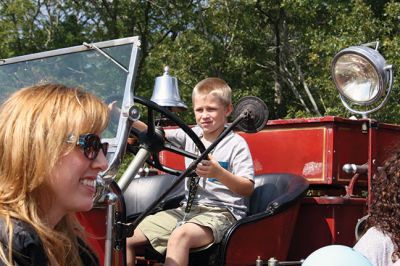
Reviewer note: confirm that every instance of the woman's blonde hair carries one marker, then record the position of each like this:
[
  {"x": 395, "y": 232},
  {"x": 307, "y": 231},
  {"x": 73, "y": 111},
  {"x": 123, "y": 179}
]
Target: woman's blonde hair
[
  {"x": 217, "y": 87},
  {"x": 35, "y": 123}
]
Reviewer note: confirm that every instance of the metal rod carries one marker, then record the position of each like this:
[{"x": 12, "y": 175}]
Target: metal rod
[
  {"x": 111, "y": 199},
  {"x": 93, "y": 46},
  {"x": 133, "y": 169}
]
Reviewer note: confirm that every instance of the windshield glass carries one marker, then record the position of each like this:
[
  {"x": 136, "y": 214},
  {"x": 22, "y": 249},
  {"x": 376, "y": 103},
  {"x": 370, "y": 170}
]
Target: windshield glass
[{"x": 108, "y": 73}]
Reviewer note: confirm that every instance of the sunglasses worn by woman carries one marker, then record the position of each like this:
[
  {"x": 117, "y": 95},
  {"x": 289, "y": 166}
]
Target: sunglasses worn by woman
[
  {"x": 47, "y": 174},
  {"x": 90, "y": 145}
]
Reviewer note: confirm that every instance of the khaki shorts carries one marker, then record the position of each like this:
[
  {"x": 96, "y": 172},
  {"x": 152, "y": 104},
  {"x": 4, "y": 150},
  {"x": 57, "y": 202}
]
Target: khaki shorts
[{"x": 158, "y": 227}]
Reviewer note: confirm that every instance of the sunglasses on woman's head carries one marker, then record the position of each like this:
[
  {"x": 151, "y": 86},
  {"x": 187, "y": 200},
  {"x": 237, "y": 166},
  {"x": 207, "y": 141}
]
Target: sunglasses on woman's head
[{"x": 91, "y": 145}]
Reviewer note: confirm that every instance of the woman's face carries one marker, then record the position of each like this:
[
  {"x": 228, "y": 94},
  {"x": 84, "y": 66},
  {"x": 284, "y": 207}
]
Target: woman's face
[{"x": 73, "y": 184}]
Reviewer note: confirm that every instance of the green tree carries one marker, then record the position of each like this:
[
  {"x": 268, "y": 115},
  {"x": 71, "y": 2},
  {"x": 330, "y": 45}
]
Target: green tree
[{"x": 279, "y": 50}]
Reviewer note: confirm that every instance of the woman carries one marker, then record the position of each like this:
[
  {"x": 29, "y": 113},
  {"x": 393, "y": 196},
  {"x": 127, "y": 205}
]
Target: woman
[
  {"x": 50, "y": 155},
  {"x": 380, "y": 243}
]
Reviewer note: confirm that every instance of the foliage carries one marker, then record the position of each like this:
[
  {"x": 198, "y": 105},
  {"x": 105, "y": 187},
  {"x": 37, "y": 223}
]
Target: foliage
[{"x": 278, "y": 50}]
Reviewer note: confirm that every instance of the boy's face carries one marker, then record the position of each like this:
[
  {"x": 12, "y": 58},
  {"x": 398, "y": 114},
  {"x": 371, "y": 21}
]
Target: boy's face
[{"x": 210, "y": 114}]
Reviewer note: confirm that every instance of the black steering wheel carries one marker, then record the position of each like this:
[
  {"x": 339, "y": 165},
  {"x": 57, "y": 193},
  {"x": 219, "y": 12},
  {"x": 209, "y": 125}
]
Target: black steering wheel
[{"x": 153, "y": 139}]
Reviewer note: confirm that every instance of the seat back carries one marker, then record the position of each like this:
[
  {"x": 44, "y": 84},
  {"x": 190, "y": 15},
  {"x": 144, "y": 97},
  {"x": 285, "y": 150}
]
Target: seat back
[
  {"x": 143, "y": 191},
  {"x": 268, "y": 228},
  {"x": 274, "y": 191}
]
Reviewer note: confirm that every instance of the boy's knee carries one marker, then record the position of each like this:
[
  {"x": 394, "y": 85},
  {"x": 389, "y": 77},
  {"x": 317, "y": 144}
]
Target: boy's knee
[
  {"x": 138, "y": 239},
  {"x": 181, "y": 232},
  {"x": 179, "y": 236}
]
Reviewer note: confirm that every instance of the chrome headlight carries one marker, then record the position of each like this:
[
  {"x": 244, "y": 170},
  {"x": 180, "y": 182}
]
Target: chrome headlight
[{"x": 362, "y": 77}]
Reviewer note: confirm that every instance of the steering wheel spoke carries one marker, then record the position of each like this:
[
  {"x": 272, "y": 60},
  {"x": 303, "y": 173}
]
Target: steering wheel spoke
[
  {"x": 150, "y": 122},
  {"x": 172, "y": 148}
]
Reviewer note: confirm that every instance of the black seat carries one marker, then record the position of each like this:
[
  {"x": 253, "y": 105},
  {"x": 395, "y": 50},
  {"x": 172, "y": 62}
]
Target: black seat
[
  {"x": 274, "y": 191},
  {"x": 142, "y": 191},
  {"x": 266, "y": 231}
]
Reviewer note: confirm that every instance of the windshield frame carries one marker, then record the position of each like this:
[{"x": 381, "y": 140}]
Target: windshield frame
[{"x": 117, "y": 144}]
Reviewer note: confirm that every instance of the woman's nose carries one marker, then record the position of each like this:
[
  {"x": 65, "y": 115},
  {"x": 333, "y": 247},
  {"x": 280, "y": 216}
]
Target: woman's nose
[{"x": 100, "y": 161}]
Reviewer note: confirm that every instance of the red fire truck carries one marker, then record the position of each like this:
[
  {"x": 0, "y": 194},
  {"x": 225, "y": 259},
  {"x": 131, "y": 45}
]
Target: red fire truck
[{"x": 313, "y": 175}]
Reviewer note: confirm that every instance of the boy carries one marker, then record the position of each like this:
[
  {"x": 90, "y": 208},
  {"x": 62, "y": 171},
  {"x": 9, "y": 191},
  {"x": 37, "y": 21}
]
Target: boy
[{"x": 223, "y": 183}]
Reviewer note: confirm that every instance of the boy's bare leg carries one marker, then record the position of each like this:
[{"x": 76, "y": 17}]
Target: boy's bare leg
[
  {"x": 138, "y": 239},
  {"x": 184, "y": 238}
]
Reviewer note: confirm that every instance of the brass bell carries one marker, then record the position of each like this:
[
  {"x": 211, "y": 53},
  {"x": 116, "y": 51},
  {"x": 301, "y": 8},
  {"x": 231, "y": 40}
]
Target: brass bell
[{"x": 166, "y": 93}]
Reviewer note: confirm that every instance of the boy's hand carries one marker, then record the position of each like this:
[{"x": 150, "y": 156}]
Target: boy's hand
[
  {"x": 209, "y": 168},
  {"x": 212, "y": 169},
  {"x": 115, "y": 111}
]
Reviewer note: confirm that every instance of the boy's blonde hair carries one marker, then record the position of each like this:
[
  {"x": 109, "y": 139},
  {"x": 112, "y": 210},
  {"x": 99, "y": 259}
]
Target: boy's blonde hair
[
  {"x": 35, "y": 123},
  {"x": 215, "y": 86}
]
